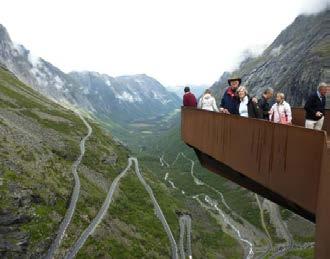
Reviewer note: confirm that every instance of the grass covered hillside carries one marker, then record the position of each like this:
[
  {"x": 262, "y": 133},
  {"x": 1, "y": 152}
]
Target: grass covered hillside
[{"x": 39, "y": 143}]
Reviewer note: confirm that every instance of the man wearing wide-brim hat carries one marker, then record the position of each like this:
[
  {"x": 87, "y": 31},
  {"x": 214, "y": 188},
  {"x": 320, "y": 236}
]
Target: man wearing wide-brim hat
[{"x": 230, "y": 100}]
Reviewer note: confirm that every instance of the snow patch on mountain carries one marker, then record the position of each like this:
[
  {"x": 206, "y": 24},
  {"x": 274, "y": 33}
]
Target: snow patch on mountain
[
  {"x": 139, "y": 81},
  {"x": 127, "y": 97},
  {"x": 276, "y": 51},
  {"x": 58, "y": 82},
  {"x": 34, "y": 60},
  {"x": 107, "y": 81},
  {"x": 19, "y": 48}
]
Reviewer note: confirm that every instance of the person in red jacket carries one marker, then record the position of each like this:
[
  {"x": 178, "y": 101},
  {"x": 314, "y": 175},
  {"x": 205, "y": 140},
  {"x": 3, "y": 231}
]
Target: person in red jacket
[{"x": 189, "y": 98}]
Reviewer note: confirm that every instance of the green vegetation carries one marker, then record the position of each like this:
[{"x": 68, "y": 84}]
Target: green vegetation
[
  {"x": 305, "y": 253},
  {"x": 133, "y": 211},
  {"x": 40, "y": 140},
  {"x": 322, "y": 49}
]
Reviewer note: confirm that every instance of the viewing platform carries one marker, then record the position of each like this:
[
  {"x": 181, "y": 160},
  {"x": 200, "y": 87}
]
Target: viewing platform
[{"x": 289, "y": 165}]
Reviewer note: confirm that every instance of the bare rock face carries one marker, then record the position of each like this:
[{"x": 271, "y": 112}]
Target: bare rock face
[
  {"x": 110, "y": 160},
  {"x": 13, "y": 242},
  {"x": 295, "y": 63}
]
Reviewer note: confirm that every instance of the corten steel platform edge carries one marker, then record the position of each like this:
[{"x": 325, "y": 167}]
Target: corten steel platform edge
[
  {"x": 225, "y": 171},
  {"x": 322, "y": 195},
  {"x": 270, "y": 154}
]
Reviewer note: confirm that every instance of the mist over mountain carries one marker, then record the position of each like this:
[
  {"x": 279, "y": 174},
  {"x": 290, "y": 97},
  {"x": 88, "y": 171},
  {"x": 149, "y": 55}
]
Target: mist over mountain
[{"x": 294, "y": 63}]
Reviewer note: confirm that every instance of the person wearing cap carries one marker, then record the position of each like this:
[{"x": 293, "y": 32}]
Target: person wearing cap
[
  {"x": 230, "y": 101},
  {"x": 189, "y": 98},
  {"x": 315, "y": 108}
]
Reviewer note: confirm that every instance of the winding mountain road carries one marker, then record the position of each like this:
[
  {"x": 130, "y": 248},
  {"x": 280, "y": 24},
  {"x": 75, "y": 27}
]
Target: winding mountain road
[
  {"x": 163, "y": 162},
  {"x": 185, "y": 224},
  {"x": 158, "y": 210},
  {"x": 227, "y": 219},
  {"x": 282, "y": 229},
  {"x": 74, "y": 197},
  {"x": 97, "y": 220},
  {"x": 264, "y": 226},
  {"x": 100, "y": 215}
]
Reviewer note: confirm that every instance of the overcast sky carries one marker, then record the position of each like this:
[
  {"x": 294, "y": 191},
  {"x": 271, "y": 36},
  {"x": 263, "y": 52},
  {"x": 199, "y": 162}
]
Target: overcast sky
[{"x": 176, "y": 41}]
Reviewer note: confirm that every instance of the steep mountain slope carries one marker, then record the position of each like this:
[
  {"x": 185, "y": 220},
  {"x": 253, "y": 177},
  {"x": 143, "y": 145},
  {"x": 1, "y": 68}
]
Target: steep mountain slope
[
  {"x": 294, "y": 63},
  {"x": 39, "y": 143},
  {"x": 126, "y": 98},
  {"x": 135, "y": 97},
  {"x": 38, "y": 73}
]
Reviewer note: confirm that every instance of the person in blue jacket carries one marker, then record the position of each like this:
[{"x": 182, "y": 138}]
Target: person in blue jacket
[{"x": 230, "y": 100}]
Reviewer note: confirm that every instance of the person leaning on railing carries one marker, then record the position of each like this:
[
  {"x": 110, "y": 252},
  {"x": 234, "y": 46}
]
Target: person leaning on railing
[
  {"x": 315, "y": 108},
  {"x": 264, "y": 104},
  {"x": 246, "y": 107},
  {"x": 189, "y": 98},
  {"x": 230, "y": 100},
  {"x": 281, "y": 110},
  {"x": 207, "y": 102}
]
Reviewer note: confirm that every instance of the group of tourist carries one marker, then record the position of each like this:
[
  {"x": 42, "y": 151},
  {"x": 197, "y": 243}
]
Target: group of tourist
[{"x": 236, "y": 100}]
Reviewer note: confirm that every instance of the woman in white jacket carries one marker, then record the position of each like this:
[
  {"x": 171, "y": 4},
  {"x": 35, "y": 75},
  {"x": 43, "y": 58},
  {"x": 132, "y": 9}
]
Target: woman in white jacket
[
  {"x": 280, "y": 111},
  {"x": 207, "y": 102}
]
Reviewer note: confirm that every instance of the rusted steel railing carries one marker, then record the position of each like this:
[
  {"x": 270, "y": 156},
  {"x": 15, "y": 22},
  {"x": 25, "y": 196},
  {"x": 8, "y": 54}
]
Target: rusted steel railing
[
  {"x": 288, "y": 164},
  {"x": 298, "y": 118}
]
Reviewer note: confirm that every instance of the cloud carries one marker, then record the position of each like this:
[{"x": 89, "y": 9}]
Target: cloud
[
  {"x": 251, "y": 52},
  {"x": 313, "y": 7},
  {"x": 34, "y": 60},
  {"x": 177, "y": 42}
]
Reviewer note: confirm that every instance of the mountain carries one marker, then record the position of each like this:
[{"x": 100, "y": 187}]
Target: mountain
[
  {"x": 124, "y": 98},
  {"x": 40, "y": 74},
  {"x": 295, "y": 63}
]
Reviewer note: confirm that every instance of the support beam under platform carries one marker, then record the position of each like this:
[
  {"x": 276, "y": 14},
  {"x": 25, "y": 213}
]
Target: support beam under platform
[{"x": 238, "y": 178}]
